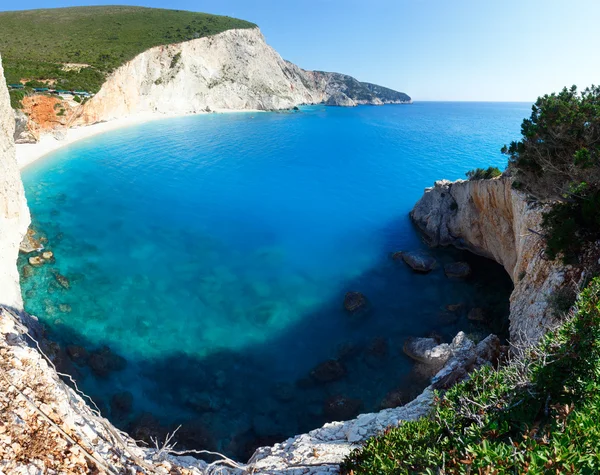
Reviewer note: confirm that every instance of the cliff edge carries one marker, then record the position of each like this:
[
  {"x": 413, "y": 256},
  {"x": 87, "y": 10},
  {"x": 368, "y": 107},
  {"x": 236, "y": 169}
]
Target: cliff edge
[{"x": 490, "y": 218}]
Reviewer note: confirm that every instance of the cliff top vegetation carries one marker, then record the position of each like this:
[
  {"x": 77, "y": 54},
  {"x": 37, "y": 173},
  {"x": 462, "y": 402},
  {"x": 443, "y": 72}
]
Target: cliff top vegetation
[
  {"x": 557, "y": 161},
  {"x": 76, "y": 48}
]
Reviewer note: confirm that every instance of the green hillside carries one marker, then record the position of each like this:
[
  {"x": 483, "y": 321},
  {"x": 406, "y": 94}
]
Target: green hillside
[{"x": 35, "y": 43}]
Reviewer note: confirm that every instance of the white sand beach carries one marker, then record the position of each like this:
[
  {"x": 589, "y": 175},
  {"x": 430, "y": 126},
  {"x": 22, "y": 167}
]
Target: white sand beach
[{"x": 29, "y": 153}]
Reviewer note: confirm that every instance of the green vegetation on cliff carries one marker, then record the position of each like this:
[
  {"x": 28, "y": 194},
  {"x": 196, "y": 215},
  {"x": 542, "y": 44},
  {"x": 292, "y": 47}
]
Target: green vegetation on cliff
[
  {"x": 539, "y": 414},
  {"x": 36, "y": 44},
  {"x": 557, "y": 161}
]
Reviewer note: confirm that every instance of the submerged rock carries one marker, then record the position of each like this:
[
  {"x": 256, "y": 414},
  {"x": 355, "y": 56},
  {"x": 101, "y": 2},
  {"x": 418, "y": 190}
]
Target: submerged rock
[
  {"x": 354, "y": 302},
  {"x": 392, "y": 399},
  {"x": 457, "y": 270},
  {"x": 27, "y": 271},
  {"x": 62, "y": 280},
  {"x": 330, "y": 370},
  {"x": 376, "y": 352},
  {"x": 78, "y": 354},
  {"x": 104, "y": 361},
  {"x": 417, "y": 261},
  {"x": 341, "y": 408}
]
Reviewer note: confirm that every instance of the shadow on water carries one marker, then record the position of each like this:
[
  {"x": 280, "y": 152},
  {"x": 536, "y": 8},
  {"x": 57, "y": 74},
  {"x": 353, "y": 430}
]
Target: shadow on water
[{"x": 236, "y": 400}]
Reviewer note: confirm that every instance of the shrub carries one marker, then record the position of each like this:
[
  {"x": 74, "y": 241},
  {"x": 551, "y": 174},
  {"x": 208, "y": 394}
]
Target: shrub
[
  {"x": 175, "y": 60},
  {"x": 77, "y": 99},
  {"x": 557, "y": 161},
  {"x": 483, "y": 173},
  {"x": 16, "y": 96},
  {"x": 538, "y": 414}
]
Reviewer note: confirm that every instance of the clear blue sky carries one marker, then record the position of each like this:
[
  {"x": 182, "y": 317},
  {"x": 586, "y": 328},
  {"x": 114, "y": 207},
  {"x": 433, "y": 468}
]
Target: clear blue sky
[{"x": 497, "y": 50}]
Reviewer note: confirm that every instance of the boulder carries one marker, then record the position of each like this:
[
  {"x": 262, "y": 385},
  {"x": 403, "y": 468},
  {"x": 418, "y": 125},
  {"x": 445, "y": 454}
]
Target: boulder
[
  {"x": 341, "y": 408},
  {"x": 30, "y": 243},
  {"x": 418, "y": 261},
  {"x": 36, "y": 261},
  {"x": 78, "y": 354},
  {"x": 22, "y": 132},
  {"x": 489, "y": 349},
  {"x": 328, "y": 371},
  {"x": 477, "y": 315},
  {"x": 427, "y": 350},
  {"x": 47, "y": 255},
  {"x": 354, "y": 302},
  {"x": 104, "y": 361},
  {"x": 457, "y": 270},
  {"x": 455, "y": 308}
]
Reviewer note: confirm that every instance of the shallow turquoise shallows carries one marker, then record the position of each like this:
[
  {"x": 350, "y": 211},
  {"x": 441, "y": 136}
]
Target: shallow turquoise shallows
[{"x": 213, "y": 253}]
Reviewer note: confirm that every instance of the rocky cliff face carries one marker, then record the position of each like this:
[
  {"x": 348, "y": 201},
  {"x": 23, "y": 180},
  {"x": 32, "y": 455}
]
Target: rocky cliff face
[
  {"x": 234, "y": 70},
  {"x": 489, "y": 218},
  {"x": 14, "y": 214}
]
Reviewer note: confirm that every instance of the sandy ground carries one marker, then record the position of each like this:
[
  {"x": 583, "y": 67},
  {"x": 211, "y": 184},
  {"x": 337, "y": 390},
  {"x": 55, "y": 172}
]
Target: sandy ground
[{"x": 29, "y": 153}]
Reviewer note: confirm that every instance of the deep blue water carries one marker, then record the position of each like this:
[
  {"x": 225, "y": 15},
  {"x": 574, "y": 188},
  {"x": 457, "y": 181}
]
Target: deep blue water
[{"x": 213, "y": 253}]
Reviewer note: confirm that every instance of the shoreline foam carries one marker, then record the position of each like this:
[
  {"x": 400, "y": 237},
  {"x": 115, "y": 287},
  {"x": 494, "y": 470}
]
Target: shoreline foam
[{"x": 30, "y": 153}]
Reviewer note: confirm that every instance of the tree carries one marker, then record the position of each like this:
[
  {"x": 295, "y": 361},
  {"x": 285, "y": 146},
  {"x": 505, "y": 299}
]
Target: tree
[{"x": 557, "y": 161}]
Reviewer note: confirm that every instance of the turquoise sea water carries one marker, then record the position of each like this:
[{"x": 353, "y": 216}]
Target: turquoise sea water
[{"x": 213, "y": 253}]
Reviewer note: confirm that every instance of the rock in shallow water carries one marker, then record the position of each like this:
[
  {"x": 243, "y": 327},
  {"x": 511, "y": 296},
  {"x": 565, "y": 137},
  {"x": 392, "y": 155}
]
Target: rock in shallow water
[
  {"x": 330, "y": 370},
  {"x": 78, "y": 354},
  {"x": 457, "y": 270},
  {"x": 417, "y": 261},
  {"x": 104, "y": 361}
]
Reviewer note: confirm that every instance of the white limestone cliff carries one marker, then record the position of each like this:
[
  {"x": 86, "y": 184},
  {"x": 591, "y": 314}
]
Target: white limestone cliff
[
  {"x": 234, "y": 70},
  {"x": 491, "y": 219},
  {"x": 14, "y": 214}
]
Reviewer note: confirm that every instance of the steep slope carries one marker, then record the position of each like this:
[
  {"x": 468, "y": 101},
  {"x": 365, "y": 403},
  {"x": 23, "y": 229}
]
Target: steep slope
[
  {"x": 14, "y": 214},
  {"x": 489, "y": 218},
  {"x": 234, "y": 70},
  {"x": 76, "y": 48}
]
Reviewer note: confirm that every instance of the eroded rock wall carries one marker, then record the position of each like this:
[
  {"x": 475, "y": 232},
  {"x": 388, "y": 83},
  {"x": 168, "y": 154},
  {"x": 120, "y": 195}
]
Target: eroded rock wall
[
  {"x": 491, "y": 219},
  {"x": 14, "y": 214}
]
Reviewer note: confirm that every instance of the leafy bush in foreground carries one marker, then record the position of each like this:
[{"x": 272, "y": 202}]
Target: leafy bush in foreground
[
  {"x": 483, "y": 173},
  {"x": 558, "y": 161},
  {"x": 540, "y": 414}
]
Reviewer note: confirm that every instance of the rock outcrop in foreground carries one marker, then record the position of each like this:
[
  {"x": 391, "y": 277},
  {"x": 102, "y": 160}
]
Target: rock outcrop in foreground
[
  {"x": 491, "y": 219},
  {"x": 234, "y": 70}
]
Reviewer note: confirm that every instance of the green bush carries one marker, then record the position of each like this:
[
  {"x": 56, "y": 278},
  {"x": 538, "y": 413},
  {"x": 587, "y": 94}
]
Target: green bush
[
  {"x": 16, "y": 96},
  {"x": 483, "y": 173},
  {"x": 77, "y": 99},
  {"x": 537, "y": 415},
  {"x": 557, "y": 161},
  {"x": 175, "y": 60}
]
